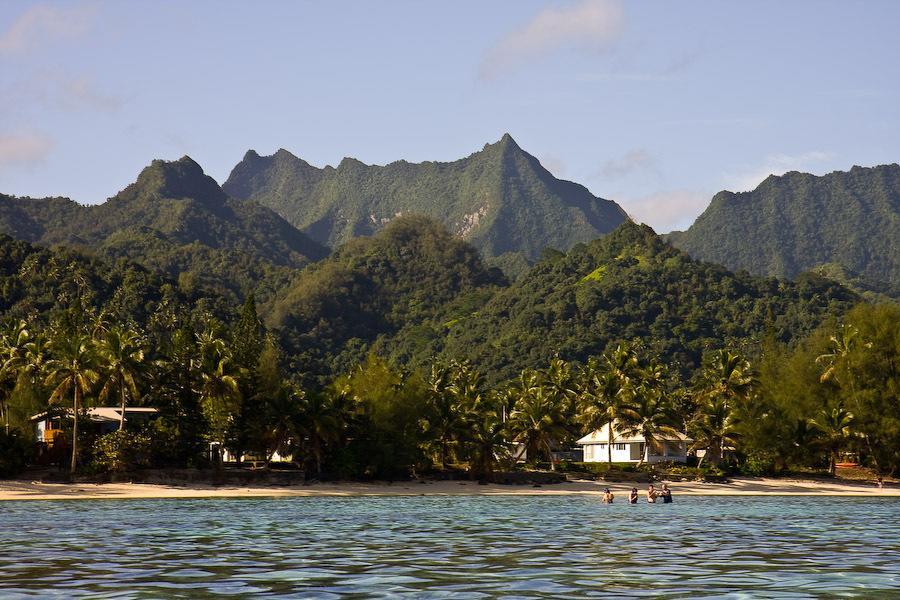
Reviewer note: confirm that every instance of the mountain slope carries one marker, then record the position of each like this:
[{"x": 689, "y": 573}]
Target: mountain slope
[
  {"x": 372, "y": 288},
  {"x": 176, "y": 219},
  {"x": 799, "y": 222},
  {"x": 631, "y": 284},
  {"x": 40, "y": 284},
  {"x": 500, "y": 199}
]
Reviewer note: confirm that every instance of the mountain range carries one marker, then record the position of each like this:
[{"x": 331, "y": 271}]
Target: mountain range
[
  {"x": 500, "y": 199},
  {"x": 414, "y": 288},
  {"x": 414, "y": 274},
  {"x": 844, "y": 225},
  {"x": 176, "y": 219}
]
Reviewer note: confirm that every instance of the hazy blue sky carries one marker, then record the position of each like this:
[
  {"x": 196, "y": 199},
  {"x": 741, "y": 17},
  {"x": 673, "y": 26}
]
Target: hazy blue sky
[{"x": 656, "y": 105}]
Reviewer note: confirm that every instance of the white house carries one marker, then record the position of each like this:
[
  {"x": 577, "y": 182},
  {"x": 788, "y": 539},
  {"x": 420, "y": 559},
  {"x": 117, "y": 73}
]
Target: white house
[{"x": 628, "y": 448}]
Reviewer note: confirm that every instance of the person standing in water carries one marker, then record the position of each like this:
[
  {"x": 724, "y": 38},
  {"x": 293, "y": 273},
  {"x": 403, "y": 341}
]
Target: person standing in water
[
  {"x": 608, "y": 497},
  {"x": 666, "y": 494},
  {"x": 633, "y": 498},
  {"x": 651, "y": 495}
]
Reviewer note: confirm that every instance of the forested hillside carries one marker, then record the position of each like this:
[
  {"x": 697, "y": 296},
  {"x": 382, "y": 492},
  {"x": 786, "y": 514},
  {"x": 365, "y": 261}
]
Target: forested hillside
[
  {"x": 500, "y": 199},
  {"x": 397, "y": 282},
  {"x": 847, "y": 222},
  {"x": 413, "y": 292},
  {"x": 176, "y": 219},
  {"x": 40, "y": 285},
  {"x": 631, "y": 284}
]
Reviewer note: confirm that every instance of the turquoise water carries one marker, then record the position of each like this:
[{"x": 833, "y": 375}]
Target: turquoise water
[{"x": 451, "y": 547}]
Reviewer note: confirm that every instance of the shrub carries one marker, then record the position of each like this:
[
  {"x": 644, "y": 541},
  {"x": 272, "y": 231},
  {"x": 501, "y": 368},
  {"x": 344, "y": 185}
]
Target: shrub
[
  {"x": 121, "y": 451},
  {"x": 759, "y": 464},
  {"x": 596, "y": 468},
  {"x": 699, "y": 473},
  {"x": 14, "y": 452}
]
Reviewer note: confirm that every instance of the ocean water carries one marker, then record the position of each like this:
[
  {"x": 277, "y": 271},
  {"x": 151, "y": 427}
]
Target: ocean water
[{"x": 443, "y": 547}]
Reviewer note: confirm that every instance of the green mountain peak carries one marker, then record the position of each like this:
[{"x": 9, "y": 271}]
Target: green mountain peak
[
  {"x": 797, "y": 221},
  {"x": 182, "y": 178},
  {"x": 500, "y": 199},
  {"x": 177, "y": 219}
]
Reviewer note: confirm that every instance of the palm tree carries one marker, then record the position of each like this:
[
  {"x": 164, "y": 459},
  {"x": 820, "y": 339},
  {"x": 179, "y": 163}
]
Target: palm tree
[
  {"x": 284, "y": 407},
  {"x": 608, "y": 387},
  {"x": 444, "y": 418},
  {"x": 727, "y": 375},
  {"x": 650, "y": 416},
  {"x": 603, "y": 401},
  {"x": 712, "y": 428},
  {"x": 839, "y": 361},
  {"x": 625, "y": 362},
  {"x": 843, "y": 343},
  {"x": 71, "y": 370},
  {"x": 487, "y": 431},
  {"x": 470, "y": 406},
  {"x": 724, "y": 380},
  {"x": 122, "y": 355},
  {"x": 13, "y": 360},
  {"x": 835, "y": 427},
  {"x": 219, "y": 391},
  {"x": 558, "y": 379},
  {"x": 323, "y": 417},
  {"x": 538, "y": 422}
]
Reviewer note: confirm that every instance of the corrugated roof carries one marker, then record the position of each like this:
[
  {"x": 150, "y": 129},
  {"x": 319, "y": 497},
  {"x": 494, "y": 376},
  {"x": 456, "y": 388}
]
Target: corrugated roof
[
  {"x": 105, "y": 413},
  {"x": 601, "y": 436}
]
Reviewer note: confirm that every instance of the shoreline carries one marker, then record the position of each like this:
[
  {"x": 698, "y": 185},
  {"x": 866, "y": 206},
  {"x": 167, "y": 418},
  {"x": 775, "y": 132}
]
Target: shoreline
[{"x": 13, "y": 490}]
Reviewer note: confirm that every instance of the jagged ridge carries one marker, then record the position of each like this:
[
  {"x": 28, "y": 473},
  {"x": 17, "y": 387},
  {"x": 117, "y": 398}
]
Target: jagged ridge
[
  {"x": 499, "y": 199},
  {"x": 798, "y": 222},
  {"x": 174, "y": 218}
]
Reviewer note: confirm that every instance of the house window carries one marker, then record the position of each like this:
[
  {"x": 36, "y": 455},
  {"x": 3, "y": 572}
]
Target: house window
[{"x": 618, "y": 446}]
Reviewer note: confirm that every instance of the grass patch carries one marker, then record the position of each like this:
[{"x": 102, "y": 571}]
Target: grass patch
[{"x": 595, "y": 275}]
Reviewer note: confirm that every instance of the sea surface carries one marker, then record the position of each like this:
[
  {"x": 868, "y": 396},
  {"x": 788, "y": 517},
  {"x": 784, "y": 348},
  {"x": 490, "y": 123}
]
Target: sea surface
[{"x": 451, "y": 547}]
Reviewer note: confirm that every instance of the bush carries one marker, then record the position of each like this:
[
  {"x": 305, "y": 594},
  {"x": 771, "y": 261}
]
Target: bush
[
  {"x": 700, "y": 473},
  {"x": 759, "y": 464},
  {"x": 121, "y": 451},
  {"x": 14, "y": 452},
  {"x": 596, "y": 468}
]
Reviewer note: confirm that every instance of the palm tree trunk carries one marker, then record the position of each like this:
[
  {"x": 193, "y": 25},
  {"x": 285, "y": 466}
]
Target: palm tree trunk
[
  {"x": 609, "y": 445},
  {"x": 122, "y": 416},
  {"x": 75, "y": 408},
  {"x": 872, "y": 454},
  {"x": 317, "y": 452},
  {"x": 550, "y": 456}
]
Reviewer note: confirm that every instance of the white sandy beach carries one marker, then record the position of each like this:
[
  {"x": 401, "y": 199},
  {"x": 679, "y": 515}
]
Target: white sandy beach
[{"x": 24, "y": 490}]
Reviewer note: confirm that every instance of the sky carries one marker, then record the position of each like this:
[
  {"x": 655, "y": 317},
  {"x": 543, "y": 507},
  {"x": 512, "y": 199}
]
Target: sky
[{"x": 655, "y": 104}]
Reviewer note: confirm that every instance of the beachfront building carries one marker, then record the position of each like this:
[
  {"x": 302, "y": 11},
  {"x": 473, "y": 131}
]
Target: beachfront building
[
  {"x": 630, "y": 447},
  {"x": 216, "y": 449},
  {"x": 48, "y": 426},
  {"x": 52, "y": 428}
]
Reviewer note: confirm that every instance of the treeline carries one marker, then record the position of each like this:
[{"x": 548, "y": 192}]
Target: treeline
[{"x": 222, "y": 385}]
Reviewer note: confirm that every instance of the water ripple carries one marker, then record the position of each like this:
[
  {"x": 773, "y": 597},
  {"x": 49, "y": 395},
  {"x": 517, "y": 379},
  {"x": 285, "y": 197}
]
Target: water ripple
[{"x": 441, "y": 547}]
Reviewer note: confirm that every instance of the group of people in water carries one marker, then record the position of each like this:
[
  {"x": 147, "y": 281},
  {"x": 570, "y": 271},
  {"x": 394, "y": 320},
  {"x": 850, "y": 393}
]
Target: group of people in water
[{"x": 665, "y": 494}]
